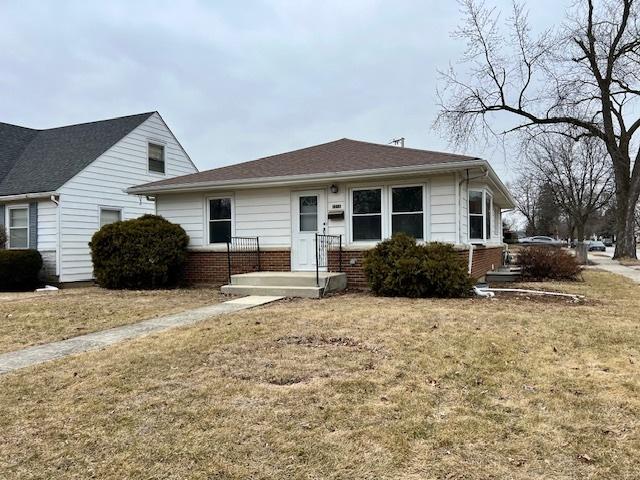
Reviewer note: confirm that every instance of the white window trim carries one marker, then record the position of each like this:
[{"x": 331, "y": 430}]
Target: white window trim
[
  {"x": 107, "y": 207},
  {"x": 424, "y": 208},
  {"x": 162, "y": 144},
  {"x": 383, "y": 226},
  {"x": 484, "y": 238},
  {"x": 8, "y": 225},
  {"x": 208, "y": 217}
]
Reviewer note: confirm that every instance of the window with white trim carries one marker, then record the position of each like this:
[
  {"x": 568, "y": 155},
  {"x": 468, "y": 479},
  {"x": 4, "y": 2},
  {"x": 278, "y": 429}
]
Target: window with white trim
[
  {"x": 18, "y": 227},
  {"x": 156, "y": 158},
  {"x": 109, "y": 215},
  {"x": 480, "y": 215},
  {"x": 407, "y": 211},
  {"x": 220, "y": 220},
  {"x": 366, "y": 215}
]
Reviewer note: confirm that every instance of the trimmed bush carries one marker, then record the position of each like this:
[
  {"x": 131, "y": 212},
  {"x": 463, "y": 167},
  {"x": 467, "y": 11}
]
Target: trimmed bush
[
  {"x": 399, "y": 267},
  {"x": 147, "y": 252},
  {"x": 19, "y": 269},
  {"x": 544, "y": 263},
  {"x": 3, "y": 237}
]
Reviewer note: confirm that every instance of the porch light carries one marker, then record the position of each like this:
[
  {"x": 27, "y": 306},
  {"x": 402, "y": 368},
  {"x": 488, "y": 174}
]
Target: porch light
[{"x": 333, "y": 188}]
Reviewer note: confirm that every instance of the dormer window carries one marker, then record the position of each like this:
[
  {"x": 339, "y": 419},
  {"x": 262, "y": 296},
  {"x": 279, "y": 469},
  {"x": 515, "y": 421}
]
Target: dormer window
[{"x": 156, "y": 158}]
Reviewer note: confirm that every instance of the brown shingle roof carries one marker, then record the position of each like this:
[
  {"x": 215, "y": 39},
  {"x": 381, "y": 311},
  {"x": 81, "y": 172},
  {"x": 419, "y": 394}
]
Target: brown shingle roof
[{"x": 343, "y": 155}]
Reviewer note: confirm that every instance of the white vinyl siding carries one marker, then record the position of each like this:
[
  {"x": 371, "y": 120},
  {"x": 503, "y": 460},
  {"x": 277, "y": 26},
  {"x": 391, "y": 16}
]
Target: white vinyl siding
[
  {"x": 187, "y": 210},
  {"x": 266, "y": 212},
  {"x": 442, "y": 204},
  {"x": 103, "y": 183}
]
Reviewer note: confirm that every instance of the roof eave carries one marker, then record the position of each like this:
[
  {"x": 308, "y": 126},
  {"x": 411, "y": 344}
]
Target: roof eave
[
  {"x": 27, "y": 196},
  {"x": 305, "y": 179}
]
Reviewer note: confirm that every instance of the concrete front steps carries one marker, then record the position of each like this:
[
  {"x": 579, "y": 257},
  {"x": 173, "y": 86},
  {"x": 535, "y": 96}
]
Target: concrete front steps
[
  {"x": 285, "y": 284},
  {"x": 506, "y": 274}
]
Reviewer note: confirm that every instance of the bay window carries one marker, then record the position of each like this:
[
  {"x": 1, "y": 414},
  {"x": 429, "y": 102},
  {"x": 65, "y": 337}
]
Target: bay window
[
  {"x": 366, "y": 214},
  {"x": 219, "y": 220},
  {"x": 480, "y": 215},
  {"x": 407, "y": 211}
]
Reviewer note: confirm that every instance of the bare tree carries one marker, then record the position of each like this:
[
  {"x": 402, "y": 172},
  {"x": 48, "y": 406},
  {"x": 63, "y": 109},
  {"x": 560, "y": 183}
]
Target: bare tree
[
  {"x": 577, "y": 173},
  {"x": 584, "y": 74},
  {"x": 526, "y": 192}
]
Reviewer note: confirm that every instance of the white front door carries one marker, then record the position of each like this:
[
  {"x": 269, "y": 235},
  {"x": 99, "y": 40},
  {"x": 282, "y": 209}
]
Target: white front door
[{"x": 309, "y": 210}]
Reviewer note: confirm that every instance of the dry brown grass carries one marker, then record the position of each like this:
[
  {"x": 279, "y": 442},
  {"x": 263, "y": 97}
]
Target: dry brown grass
[
  {"x": 33, "y": 318},
  {"x": 348, "y": 387}
]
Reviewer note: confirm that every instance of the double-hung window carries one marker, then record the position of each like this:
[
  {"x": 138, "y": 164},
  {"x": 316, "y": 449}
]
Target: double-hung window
[
  {"x": 156, "y": 158},
  {"x": 407, "y": 211},
  {"x": 366, "y": 214},
  {"x": 219, "y": 220},
  {"x": 18, "y": 227},
  {"x": 480, "y": 213}
]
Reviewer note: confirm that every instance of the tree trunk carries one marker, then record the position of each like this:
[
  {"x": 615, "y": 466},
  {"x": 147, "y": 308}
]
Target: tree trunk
[
  {"x": 581, "y": 248},
  {"x": 625, "y": 233},
  {"x": 627, "y": 190},
  {"x": 626, "y": 201}
]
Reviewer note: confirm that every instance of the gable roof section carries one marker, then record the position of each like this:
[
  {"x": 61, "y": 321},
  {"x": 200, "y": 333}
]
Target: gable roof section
[
  {"x": 339, "y": 156},
  {"x": 33, "y": 161}
]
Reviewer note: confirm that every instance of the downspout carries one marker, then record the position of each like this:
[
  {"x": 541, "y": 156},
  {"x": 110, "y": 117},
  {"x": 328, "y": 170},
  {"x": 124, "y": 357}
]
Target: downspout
[{"x": 56, "y": 200}]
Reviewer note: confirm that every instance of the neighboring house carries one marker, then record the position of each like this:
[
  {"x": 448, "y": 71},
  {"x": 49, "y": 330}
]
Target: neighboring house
[
  {"x": 60, "y": 185},
  {"x": 362, "y": 191}
]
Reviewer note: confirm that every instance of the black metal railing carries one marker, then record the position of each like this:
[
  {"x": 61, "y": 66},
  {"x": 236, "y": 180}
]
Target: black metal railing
[
  {"x": 325, "y": 245},
  {"x": 247, "y": 251}
]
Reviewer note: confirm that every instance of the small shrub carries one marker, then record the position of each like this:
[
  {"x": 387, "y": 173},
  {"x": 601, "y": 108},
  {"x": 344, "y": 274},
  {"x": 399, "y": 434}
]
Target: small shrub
[
  {"x": 19, "y": 269},
  {"x": 3, "y": 237},
  {"x": 544, "y": 263},
  {"x": 147, "y": 252},
  {"x": 399, "y": 267}
]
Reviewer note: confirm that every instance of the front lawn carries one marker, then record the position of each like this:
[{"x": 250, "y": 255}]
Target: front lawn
[
  {"x": 349, "y": 387},
  {"x": 33, "y": 318}
]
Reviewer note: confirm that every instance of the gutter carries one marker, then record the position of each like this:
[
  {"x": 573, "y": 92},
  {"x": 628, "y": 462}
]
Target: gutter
[
  {"x": 28, "y": 196},
  {"x": 306, "y": 179}
]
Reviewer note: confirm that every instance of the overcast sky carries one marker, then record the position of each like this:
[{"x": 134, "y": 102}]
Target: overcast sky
[{"x": 238, "y": 80}]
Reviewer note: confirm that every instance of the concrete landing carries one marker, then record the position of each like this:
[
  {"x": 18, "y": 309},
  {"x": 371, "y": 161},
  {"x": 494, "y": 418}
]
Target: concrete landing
[
  {"x": 51, "y": 351},
  {"x": 286, "y": 284}
]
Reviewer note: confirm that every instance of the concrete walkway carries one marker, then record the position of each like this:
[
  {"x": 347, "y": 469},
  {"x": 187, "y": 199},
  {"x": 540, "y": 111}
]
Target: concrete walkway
[
  {"x": 610, "y": 265},
  {"x": 51, "y": 351}
]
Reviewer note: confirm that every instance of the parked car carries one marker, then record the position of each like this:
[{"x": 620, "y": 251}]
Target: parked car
[
  {"x": 541, "y": 240},
  {"x": 608, "y": 242},
  {"x": 596, "y": 246}
]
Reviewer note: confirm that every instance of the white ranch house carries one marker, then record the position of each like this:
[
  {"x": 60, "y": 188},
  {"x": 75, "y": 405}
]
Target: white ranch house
[
  {"x": 362, "y": 191},
  {"x": 59, "y": 186}
]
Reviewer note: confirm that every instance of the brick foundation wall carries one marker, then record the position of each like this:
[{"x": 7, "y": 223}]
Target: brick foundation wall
[
  {"x": 212, "y": 267},
  {"x": 483, "y": 260}
]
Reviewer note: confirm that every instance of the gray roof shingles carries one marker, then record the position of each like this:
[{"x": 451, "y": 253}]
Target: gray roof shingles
[
  {"x": 33, "y": 161},
  {"x": 344, "y": 155}
]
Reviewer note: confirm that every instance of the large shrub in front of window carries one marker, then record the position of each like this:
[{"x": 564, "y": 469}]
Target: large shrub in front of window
[
  {"x": 19, "y": 269},
  {"x": 399, "y": 267},
  {"x": 147, "y": 252}
]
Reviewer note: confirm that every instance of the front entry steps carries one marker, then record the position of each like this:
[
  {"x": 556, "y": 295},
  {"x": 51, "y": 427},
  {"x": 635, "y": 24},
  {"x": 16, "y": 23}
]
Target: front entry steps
[
  {"x": 286, "y": 284},
  {"x": 507, "y": 274}
]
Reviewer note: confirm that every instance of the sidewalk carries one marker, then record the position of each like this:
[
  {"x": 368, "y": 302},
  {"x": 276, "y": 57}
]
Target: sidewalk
[
  {"x": 610, "y": 265},
  {"x": 51, "y": 351}
]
